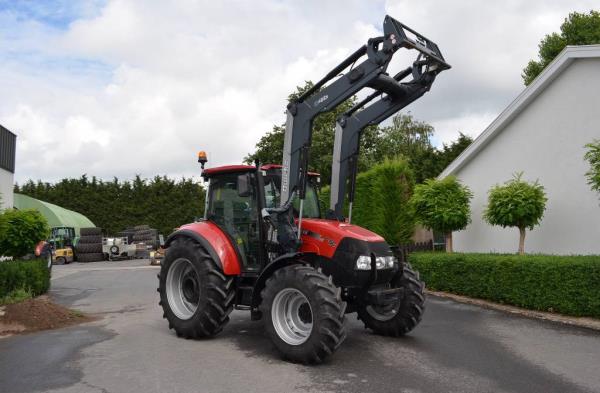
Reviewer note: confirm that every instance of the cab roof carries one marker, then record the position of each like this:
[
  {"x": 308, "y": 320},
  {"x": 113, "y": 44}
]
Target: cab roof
[{"x": 208, "y": 172}]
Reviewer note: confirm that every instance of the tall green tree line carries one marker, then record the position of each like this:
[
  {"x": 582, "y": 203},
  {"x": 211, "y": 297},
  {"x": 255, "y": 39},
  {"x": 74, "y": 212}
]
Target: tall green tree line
[{"x": 160, "y": 202}]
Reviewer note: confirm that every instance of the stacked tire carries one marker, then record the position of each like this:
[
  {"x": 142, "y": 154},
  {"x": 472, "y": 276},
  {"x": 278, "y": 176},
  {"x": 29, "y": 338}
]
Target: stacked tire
[
  {"x": 128, "y": 233},
  {"x": 89, "y": 247},
  {"x": 145, "y": 234}
]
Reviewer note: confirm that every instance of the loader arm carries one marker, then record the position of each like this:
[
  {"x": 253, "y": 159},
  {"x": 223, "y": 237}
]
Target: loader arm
[
  {"x": 351, "y": 124},
  {"x": 323, "y": 97}
]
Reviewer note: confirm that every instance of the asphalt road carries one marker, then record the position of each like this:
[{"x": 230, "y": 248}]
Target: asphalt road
[{"x": 457, "y": 348}]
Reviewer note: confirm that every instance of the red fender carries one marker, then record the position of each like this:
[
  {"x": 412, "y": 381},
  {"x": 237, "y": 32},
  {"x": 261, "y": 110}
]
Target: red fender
[{"x": 216, "y": 242}]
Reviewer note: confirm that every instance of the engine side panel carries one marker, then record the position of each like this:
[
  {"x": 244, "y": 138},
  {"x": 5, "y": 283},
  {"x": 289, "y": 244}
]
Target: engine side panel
[{"x": 220, "y": 243}]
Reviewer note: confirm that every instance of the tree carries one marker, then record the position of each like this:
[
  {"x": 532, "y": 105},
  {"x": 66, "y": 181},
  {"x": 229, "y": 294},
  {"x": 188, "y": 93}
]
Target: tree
[
  {"x": 382, "y": 201},
  {"x": 593, "y": 157},
  {"x": 442, "y": 205},
  {"x": 269, "y": 148},
  {"x": 406, "y": 137},
  {"x": 20, "y": 231},
  {"x": 577, "y": 29},
  {"x": 448, "y": 153},
  {"x": 409, "y": 138},
  {"x": 516, "y": 203}
]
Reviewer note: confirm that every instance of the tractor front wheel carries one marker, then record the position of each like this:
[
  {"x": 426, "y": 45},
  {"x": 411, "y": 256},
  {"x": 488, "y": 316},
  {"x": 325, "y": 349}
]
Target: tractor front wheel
[
  {"x": 405, "y": 315},
  {"x": 195, "y": 295},
  {"x": 303, "y": 313}
]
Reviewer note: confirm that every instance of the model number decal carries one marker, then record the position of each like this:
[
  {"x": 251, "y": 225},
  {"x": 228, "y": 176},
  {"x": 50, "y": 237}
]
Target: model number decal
[{"x": 321, "y": 100}]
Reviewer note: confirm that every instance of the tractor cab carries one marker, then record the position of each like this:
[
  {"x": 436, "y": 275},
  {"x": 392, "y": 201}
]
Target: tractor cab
[
  {"x": 61, "y": 237},
  {"x": 62, "y": 241},
  {"x": 236, "y": 197}
]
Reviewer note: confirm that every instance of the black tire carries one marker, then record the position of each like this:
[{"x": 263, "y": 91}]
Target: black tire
[
  {"x": 146, "y": 233},
  {"x": 408, "y": 314},
  {"x": 128, "y": 234},
  {"x": 91, "y": 257},
  {"x": 60, "y": 261},
  {"x": 144, "y": 239},
  {"x": 212, "y": 292},
  {"x": 90, "y": 239},
  {"x": 327, "y": 311},
  {"x": 87, "y": 248},
  {"x": 114, "y": 249},
  {"x": 90, "y": 231}
]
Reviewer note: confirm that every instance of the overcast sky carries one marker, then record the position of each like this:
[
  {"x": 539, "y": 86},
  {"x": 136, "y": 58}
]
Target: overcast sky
[{"x": 118, "y": 88}]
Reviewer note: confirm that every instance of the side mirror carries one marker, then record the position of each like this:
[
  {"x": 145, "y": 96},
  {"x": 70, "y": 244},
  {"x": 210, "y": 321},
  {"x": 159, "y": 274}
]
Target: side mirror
[{"x": 244, "y": 185}]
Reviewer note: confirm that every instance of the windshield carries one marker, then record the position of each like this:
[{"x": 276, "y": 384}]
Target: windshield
[{"x": 311, "y": 201}]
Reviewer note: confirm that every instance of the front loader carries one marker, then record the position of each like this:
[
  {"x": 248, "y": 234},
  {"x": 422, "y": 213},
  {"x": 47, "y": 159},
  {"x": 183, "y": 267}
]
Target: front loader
[{"x": 263, "y": 245}]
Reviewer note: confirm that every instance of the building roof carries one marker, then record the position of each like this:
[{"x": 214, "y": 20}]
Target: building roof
[
  {"x": 553, "y": 70},
  {"x": 55, "y": 215}
]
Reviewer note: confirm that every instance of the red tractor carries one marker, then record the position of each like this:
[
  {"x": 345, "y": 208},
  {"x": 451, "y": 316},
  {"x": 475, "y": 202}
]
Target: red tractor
[{"x": 265, "y": 246}]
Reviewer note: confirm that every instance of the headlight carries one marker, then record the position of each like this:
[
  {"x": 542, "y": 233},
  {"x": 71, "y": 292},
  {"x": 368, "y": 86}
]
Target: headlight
[{"x": 364, "y": 262}]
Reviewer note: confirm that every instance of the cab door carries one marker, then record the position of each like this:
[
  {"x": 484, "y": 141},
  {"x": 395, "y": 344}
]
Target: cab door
[{"x": 233, "y": 204}]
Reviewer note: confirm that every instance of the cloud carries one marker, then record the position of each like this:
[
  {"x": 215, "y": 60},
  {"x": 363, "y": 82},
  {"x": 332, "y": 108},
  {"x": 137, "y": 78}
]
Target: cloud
[{"x": 120, "y": 88}]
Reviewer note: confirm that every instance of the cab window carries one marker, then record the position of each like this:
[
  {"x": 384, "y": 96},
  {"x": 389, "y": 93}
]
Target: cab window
[{"x": 311, "y": 201}]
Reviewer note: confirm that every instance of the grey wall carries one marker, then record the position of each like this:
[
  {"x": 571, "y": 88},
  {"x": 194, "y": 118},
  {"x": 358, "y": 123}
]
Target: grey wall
[{"x": 546, "y": 141}]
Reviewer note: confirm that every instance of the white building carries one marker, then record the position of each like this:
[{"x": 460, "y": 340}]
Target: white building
[
  {"x": 7, "y": 167},
  {"x": 542, "y": 133}
]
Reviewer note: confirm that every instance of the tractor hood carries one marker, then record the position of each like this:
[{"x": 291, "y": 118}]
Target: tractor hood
[{"x": 323, "y": 236}]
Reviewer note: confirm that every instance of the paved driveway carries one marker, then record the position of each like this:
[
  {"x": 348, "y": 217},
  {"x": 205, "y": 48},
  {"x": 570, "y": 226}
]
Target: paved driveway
[{"x": 457, "y": 348}]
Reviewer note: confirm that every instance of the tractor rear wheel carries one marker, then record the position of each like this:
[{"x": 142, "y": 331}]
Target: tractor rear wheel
[
  {"x": 403, "y": 317},
  {"x": 303, "y": 314},
  {"x": 195, "y": 295}
]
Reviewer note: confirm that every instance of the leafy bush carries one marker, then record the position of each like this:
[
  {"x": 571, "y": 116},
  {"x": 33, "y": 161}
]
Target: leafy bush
[
  {"x": 565, "y": 284},
  {"x": 30, "y": 276},
  {"x": 516, "y": 203},
  {"x": 443, "y": 205},
  {"x": 20, "y": 231}
]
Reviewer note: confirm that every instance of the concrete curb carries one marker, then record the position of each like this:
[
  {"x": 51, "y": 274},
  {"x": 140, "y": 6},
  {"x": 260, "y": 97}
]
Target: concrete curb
[{"x": 584, "y": 322}]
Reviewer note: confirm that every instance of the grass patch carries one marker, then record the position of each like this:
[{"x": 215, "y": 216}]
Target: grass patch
[
  {"x": 16, "y": 296},
  {"x": 564, "y": 284}
]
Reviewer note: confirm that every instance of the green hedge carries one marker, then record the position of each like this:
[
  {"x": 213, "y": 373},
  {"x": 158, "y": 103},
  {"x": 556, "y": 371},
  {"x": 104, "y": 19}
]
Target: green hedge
[
  {"x": 564, "y": 284},
  {"x": 32, "y": 276},
  {"x": 381, "y": 203}
]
